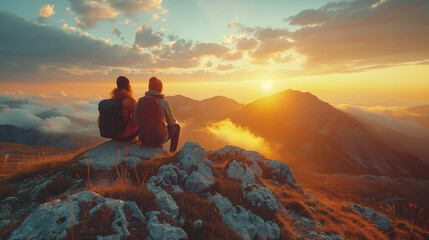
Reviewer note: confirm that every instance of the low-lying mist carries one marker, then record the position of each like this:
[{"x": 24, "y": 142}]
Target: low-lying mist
[{"x": 232, "y": 134}]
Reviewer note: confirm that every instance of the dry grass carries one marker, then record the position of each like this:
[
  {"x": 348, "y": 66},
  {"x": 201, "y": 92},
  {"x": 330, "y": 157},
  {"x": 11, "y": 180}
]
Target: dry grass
[
  {"x": 194, "y": 208},
  {"x": 7, "y": 190},
  {"x": 296, "y": 205},
  {"x": 143, "y": 171},
  {"x": 139, "y": 194},
  {"x": 54, "y": 188},
  {"x": 91, "y": 226}
]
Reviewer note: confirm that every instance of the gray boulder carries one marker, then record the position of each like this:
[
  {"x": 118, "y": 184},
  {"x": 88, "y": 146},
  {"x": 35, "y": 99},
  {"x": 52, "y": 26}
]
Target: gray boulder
[
  {"x": 240, "y": 171},
  {"x": 259, "y": 196},
  {"x": 163, "y": 230},
  {"x": 109, "y": 154},
  {"x": 54, "y": 218},
  {"x": 380, "y": 220}
]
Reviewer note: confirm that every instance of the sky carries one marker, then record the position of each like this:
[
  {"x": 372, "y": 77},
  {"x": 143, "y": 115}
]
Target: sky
[{"x": 361, "y": 52}]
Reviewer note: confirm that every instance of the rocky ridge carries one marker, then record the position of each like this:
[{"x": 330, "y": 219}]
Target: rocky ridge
[{"x": 244, "y": 191}]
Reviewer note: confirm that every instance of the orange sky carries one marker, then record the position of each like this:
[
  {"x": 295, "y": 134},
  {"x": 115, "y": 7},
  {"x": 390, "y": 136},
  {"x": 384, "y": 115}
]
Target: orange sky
[{"x": 406, "y": 85}]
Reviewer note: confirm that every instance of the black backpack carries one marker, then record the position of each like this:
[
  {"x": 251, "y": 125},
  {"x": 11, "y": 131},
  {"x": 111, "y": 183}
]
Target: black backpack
[{"x": 110, "y": 121}]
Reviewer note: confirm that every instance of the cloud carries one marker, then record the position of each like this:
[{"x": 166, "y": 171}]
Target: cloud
[
  {"x": 46, "y": 12},
  {"x": 209, "y": 49},
  {"x": 184, "y": 54},
  {"x": 55, "y": 112},
  {"x": 227, "y": 67},
  {"x": 310, "y": 17},
  {"x": 26, "y": 47},
  {"x": 246, "y": 43},
  {"x": 130, "y": 6},
  {"x": 116, "y": 32},
  {"x": 359, "y": 33},
  {"x": 270, "y": 47},
  {"x": 396, "y": 118},
  {"x": 232, "y": 134},
  {"x": 146, "y": 38},
  {"x": 92, "y": 12}
]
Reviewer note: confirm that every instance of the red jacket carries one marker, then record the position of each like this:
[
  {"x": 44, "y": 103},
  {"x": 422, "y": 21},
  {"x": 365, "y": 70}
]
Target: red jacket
[{"x": 128, "y": 105}]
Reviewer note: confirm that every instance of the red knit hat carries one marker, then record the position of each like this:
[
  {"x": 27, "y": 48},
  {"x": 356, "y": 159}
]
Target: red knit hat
[
  {"x": 122, "y": 82},
  {"x": 155, "y": 84}
]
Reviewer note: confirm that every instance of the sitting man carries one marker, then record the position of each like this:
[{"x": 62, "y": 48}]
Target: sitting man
[{"x": 152, "y": 114}]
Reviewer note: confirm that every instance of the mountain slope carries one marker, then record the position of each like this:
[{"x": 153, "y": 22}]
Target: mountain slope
[
  {"x": 315, "y": 136},
  {"x": 185, "y": 108},
  {"x": 12, "y": 134}
]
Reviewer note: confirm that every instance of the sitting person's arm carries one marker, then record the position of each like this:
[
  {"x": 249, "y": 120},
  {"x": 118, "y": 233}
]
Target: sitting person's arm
[{"x": 168, "y": 113}]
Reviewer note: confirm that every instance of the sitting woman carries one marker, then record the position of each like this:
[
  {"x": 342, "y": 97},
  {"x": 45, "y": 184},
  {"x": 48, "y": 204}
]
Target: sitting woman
[{"x": 124, "y": 92}]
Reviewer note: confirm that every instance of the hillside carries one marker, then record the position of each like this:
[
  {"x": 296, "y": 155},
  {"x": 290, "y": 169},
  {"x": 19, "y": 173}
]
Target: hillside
[
  {"x": 205, "y": 110},
  {"x": 12, "y": 134},
  {"x": 146, "y": 193},
  {"x": 312, "y": 135}
]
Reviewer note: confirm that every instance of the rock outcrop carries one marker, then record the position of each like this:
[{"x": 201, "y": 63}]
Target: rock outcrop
[
  {"x": 109, "y": 154},
  {"x": 243, "y": 190},
  {"x": 55, "y": 218}
]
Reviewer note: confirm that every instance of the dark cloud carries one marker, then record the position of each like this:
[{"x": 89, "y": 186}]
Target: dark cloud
[
  {"x": 359, "y": 33},
  {"x": 92, "y": 12},
  {"x": 25, "y": 47},
  {"x": 146, "y": 38},
  {"x": 116, "y": 32},
  {"x": 129, "y": 6}
]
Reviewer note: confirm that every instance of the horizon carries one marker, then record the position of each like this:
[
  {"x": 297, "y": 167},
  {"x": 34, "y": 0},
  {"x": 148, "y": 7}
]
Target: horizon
[{"x": 344, "y": 52}]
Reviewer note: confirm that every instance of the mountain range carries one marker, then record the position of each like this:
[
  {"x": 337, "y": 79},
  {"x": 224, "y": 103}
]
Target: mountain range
[
  {"x": 13, "y": 134},
  {"x": 313, "y": 135}
]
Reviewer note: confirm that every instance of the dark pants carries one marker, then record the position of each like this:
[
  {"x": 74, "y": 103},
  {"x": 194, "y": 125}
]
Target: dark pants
[
  {"x": 173, "y": 135},
  {"x": 129, "y": 138}
]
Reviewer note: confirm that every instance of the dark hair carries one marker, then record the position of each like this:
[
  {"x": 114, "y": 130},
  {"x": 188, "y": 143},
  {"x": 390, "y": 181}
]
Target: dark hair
[{"x": 123, "y": 83}]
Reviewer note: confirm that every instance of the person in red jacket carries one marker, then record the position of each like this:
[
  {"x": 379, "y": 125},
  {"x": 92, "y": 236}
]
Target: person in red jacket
[{"x": 123, "y": 91}]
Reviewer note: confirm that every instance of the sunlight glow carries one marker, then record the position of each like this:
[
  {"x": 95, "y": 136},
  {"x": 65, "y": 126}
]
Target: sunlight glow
[
  {"x": 236, "y": 135},
  {"x": 267, "y": 86}
]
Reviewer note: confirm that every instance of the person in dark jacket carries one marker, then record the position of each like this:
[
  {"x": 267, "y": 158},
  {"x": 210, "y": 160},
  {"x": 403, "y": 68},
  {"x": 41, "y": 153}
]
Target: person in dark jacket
[
  {"x": 167, "y": 117},
  {"x": 123, "y": 91}
]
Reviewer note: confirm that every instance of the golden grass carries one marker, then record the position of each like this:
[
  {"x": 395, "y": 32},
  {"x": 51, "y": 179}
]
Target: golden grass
[
  {"x": 53, "y": 189},
  {"x": 194, "y": 208},
  {"x": 91, "y": 226},
  {"x": 139, "y": 194}
]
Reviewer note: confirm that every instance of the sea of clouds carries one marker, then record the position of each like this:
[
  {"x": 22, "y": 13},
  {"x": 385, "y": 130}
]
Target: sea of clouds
[{"x": 52, "y": 112}]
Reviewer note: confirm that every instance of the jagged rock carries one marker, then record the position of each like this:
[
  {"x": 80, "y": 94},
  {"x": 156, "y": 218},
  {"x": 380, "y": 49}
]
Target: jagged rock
[
  {"x": 192, "y": 154},
  {"x": 106, "y": 155},
  {"x": 164, "y": 200},
  {"x": 259, "y": 196},
  {"x": 222, "y": 203},
  {"x": 200, "y": 180},
  {"x": 234, "y": 153},
  {"x": 163, "y": 230},
  {"x": 244, "y": 222},
  {"x": 54, "y": 218},
  {"x": 240, "y": 171},
  {"x": 197, "y": 183},
  {"x": 380, "y": 220},
  {"x": 168, "y": 175},
  {"x": 281, "y": 169}
]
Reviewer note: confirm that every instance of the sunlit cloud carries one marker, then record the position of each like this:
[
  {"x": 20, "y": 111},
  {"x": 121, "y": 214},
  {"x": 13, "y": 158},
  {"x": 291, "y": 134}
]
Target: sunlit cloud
[
  {"x": 46, "y": 12},
  {"x": 233, "y": 134}
]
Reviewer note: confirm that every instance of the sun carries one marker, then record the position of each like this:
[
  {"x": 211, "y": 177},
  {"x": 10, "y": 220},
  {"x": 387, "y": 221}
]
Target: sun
[{"x": 266, "y": 86}]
